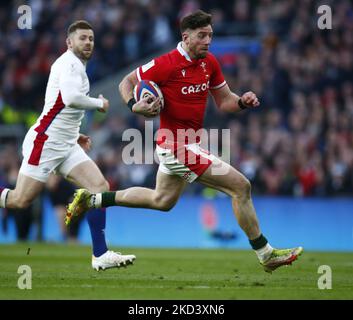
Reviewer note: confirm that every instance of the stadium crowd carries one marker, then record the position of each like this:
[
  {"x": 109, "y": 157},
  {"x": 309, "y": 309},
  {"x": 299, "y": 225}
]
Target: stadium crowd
[{"x": 299, "y": 142}]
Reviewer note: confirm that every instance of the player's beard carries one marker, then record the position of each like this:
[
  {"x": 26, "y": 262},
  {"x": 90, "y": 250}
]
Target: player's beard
[
  {"x": 202, "y": 55},
  {"x": 82, "y": 54},
  {"x": 199, "y": 54}
]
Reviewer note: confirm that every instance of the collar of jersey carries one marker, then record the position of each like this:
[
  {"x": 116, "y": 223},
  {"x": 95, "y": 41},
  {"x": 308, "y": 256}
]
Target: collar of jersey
[
  {"x": 183, "y": 52},
  {"x": 72, "y": 53}
]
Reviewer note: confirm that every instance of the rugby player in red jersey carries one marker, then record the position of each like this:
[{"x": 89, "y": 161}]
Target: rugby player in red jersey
[{"x": 186, "y": 76}]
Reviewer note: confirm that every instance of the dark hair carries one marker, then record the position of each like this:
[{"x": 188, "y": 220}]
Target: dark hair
[
  {"x": 79, "y": 24},
  {"x": 197, "y": 19}
]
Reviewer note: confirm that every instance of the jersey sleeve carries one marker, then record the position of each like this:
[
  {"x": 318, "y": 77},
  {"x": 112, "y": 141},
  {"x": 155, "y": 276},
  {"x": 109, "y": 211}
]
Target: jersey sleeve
[
  {"x": 70, "y": 82},
  {"x": 217, "y": 78},
  {"x": 157, "y": 70}
]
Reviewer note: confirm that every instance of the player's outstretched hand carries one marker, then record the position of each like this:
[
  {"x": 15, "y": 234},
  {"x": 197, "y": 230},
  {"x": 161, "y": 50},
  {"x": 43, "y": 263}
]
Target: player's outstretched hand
[
  {"x": 105, "y": 104},
  {"x": 85, "y": 142},
  {"x": 250, "y": 99},
  {"x": 148, "y": 106}
]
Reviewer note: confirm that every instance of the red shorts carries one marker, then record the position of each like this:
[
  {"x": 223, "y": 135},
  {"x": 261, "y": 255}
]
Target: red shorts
[{"x": 187, "y": 161}]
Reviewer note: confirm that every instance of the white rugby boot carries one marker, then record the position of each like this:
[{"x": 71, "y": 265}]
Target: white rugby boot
[{"x": 112, "y": 259}]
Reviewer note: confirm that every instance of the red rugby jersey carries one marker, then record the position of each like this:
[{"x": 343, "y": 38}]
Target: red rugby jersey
[{"x": 185, "y": 84}]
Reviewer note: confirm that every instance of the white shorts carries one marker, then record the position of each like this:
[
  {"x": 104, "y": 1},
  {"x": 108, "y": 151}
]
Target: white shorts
[
  {"x": 41, "y": 157},
  {"x": 187, "y": 161}
]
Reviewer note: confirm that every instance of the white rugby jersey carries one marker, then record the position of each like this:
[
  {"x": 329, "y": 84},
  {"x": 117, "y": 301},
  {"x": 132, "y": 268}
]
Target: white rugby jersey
[{"x": 66, "y": 98}]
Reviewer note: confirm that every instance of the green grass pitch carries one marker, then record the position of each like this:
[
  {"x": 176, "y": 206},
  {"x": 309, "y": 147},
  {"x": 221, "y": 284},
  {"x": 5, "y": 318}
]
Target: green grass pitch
[{"x": 64, "y": 272}]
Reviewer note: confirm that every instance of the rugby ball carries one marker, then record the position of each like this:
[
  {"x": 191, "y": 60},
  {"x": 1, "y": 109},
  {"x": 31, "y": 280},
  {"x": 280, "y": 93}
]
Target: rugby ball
[{"x": 146, "y": 88}]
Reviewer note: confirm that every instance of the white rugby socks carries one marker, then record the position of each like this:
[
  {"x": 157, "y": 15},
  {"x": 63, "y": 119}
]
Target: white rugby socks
[
  {"x": 96, "y": 200},
  {"x": 264, "y": 252},
  {"x": 3, "y": 197}
]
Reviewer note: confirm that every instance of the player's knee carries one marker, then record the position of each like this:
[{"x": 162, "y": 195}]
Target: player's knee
[
  {"x": 246, "y": 187},
  {"x": 164, "y": 203},
  {"x": 242, "y": 188},
  {"x": 167, "y": 206},
  {"x": 101, "y": 186},
  {"x": 105, "y": 186}
]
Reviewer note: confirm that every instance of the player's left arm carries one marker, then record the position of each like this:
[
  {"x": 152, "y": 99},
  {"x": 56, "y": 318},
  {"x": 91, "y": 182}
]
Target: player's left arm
[
  {"x": 228, "y": 101},
  {"x": 70, "y": 82}
]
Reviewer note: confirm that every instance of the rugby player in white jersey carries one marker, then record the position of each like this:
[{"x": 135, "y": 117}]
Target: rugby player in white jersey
[{"x": 54, "y": 145}]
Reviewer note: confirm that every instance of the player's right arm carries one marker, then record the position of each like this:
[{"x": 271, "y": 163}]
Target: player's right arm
[
  {"x": 158, "y": 71},
  {"x": 146, "y": 106},
  {"x": 127, "y": 85},
  {"x": 70, "y": 83}
]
